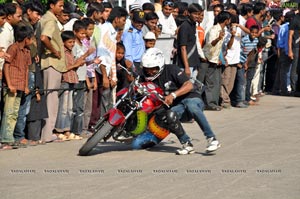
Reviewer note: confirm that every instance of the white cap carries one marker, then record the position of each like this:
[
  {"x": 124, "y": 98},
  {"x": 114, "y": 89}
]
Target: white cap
[{"x": 149, "y": 36}]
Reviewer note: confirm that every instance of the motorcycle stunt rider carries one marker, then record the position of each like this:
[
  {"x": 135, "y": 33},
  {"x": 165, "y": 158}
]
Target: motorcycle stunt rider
[{"x": 181, "y": 96}]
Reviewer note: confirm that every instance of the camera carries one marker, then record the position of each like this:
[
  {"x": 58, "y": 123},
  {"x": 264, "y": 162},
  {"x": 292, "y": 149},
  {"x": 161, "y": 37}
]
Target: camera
[{"x": 160, "y": 27}]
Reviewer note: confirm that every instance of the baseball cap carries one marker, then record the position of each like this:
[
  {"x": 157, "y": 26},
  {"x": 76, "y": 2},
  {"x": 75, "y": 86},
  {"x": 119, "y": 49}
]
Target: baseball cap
[
  {"x": 150, "y": 36},
  {"x": 138, "y": 16},
  {"x": 133, "y": 7}
]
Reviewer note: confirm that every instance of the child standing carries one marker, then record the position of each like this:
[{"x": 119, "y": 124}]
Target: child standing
[
  {"x": 16, "y": 78},
  {"x": 69, "y": 79},
  {"x": 252, "y": 64},
  {"x": 123, "y": 77},
  {"x": 79, "y": 49},
  {"x": 92, "y": 63}
]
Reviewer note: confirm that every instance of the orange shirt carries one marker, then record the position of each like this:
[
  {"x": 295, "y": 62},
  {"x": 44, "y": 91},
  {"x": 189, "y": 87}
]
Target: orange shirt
[{"x": 201, "y": 35}]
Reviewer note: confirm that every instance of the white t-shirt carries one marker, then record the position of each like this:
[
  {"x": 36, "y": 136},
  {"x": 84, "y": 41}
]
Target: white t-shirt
[
  {"x": 78, "y": 51},
  {"x": 7, "y": 39},
  {"x": 242, "y": 21},
  {"x": 106, "y": 49},
  {"x": 233, "y": 54},
  {"x": 168, "y": 23}
]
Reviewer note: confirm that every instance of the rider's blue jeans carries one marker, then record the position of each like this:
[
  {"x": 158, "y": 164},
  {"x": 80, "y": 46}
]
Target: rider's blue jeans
[{"x": 194, "y": 107}]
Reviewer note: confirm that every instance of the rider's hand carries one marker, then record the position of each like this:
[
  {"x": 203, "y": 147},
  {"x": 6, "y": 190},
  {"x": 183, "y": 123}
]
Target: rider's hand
[{"x": 169, "y": 99}]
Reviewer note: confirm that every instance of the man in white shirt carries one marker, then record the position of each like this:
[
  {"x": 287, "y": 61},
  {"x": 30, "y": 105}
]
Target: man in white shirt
[
  {"x": 231, "y": 51},
  {"x": 13, "y": 16},
  {"x": 166, "y": 19},
  {"x": 106, "y": 51},
  {"x": 212, "y": 68}
]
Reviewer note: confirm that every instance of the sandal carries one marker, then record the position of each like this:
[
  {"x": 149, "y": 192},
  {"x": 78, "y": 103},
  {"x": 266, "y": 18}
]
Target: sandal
[
  {"x": 33, "y": 143},
  {"x": 40, "y": 142},
  {"x": 63, "y": 137},
  {"x": 72, "y": 136},
  {"x": 55, "y": 138}
]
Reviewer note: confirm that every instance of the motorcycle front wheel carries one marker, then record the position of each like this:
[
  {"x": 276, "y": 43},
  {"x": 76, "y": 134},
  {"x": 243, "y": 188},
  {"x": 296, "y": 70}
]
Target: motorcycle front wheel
[{"x": 95, "y": 139}]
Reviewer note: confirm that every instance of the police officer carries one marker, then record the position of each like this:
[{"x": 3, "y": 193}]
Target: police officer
[{"x": 133, "y": 39}]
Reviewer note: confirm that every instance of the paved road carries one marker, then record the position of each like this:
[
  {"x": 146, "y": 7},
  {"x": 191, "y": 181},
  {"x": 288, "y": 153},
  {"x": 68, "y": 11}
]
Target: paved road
[{"x": 259, "y": 158}]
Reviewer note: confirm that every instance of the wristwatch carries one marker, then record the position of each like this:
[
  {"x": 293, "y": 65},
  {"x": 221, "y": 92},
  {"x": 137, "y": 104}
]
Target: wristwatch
[{"x": 173, "y": 95}]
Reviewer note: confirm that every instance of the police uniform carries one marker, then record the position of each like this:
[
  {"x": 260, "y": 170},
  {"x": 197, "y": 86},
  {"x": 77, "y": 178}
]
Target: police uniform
[{"x": 134, "y": 42}]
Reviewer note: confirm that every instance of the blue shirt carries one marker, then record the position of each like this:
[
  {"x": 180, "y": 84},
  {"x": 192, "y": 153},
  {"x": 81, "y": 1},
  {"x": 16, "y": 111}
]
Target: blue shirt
[
  {"x": 283, "y": 38},
  {"x": 246, "y": 46},
  {"x": 134, "y": 43}
]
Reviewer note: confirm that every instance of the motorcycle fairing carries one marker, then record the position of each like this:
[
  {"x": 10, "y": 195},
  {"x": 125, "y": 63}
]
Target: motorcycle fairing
[{"x": 115, "y": 117}]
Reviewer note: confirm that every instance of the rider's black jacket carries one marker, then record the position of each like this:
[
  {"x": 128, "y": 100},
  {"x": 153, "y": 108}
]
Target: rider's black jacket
[{"x": 171, "y": 79}]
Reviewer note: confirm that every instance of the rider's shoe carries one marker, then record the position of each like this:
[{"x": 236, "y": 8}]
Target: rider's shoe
[
  {"x": 212, "y": 145},
  {"x": 187, "y": 148},
  {"x": 123, "y": 137}
]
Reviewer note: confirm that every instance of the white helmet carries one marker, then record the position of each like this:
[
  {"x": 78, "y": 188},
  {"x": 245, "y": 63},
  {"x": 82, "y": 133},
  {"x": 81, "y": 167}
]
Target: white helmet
[{"x": 153, "y": 57}]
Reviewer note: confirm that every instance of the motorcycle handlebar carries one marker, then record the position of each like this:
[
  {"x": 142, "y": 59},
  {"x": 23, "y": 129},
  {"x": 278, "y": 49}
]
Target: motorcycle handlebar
[
  {"x": 142, "y": 89},
  {"x": 129, "y": 72}
]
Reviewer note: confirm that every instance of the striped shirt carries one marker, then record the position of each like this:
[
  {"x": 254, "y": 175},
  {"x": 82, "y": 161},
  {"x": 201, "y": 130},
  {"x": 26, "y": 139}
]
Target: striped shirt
[
  {"x": 246, "y": 46},
  {"x": 19, "y": 62}
]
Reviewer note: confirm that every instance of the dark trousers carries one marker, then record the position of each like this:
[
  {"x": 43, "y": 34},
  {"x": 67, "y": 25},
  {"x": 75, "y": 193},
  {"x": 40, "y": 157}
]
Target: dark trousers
[
  {"x": 238, "y": 93},
  {"x": 96, "y": 103},
  {"x": 34, "y": 130},
  {"x": 284, "y": 65},
  {"x": 78, "y": 108},
  {"x": 272, "y": 65},
  {"x": 212, "y": 81},
  {"x": 294, "y": 71}
]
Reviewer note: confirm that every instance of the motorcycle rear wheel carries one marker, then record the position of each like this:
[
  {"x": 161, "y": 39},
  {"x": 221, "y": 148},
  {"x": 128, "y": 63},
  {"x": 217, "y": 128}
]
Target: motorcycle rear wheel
[{"x": 95, "y": 139}]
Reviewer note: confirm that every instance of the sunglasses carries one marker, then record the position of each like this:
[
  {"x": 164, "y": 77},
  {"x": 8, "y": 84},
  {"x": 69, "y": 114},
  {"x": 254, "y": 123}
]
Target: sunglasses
[{"x": 168, "y": 3}]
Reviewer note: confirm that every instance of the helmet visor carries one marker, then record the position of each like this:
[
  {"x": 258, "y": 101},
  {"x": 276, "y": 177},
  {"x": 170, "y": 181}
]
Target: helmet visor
[{"x": 151, "y": 73}]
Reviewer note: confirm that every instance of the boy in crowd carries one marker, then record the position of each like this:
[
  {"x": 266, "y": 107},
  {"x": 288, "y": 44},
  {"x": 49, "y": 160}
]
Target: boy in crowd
[
  {"x": 16, "y": 78},
  {"x": 106, "y": 50},
  {"x": 247, "y": 44},
  {"x": 11, "y": 14},
  {"x": 79, "y": 51},
  {"x": 150, "y": 40},
  {"x": 254, "y": 59},
  {"x": 30, "y": 18}
]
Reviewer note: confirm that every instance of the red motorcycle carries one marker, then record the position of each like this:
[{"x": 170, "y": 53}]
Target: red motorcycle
[{"x": 129, "y": 116}]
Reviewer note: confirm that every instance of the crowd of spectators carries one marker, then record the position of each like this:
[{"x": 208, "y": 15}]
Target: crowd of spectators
[{"x": 60, "y": 67}]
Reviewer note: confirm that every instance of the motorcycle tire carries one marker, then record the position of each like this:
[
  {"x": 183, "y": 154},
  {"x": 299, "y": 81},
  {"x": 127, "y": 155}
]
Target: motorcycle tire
[{"x": 95, "y": 139}]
